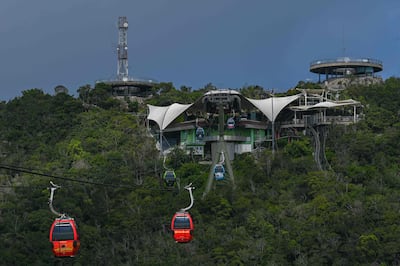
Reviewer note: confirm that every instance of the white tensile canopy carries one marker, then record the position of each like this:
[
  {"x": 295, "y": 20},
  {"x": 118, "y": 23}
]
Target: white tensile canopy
[
  {"x": 271, "y": 107},
  {"x": 165, "y": 115},
  {"x": 327, "y": 104}
]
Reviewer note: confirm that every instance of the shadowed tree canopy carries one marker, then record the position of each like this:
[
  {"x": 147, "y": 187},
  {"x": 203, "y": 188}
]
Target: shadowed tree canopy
[{"x": 283, "y": 211}]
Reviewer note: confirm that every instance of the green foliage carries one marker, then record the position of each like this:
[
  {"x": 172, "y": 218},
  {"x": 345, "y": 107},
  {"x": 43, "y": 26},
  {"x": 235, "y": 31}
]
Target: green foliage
[
  {"x": 254, "y": 92},
  {"x": 281, "y": 212},
  {"x": 297, "y": 149},
  {"x": 167, "y": 94},
  {"x": 308, "y": 85}
]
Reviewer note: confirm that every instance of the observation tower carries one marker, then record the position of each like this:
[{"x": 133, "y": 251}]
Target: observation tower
[
  {"x": 124, "y": 85},
  {"x": 345, "y": 67}
]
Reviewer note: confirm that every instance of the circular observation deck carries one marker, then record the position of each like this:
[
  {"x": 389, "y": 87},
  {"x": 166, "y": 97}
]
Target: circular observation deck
[
  {"x": 346, "y": 66},
  {"x": 130, "y": 87}
]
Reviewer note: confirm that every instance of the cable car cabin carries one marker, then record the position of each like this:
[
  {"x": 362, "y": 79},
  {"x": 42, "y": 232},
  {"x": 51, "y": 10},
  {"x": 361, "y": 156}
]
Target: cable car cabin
[
  {"x": 64, "y": 237},
  {"x": 169, "y": 178},
  {"x": 182, "y": 226},
  {"x": 230, "y": 123},
  {"x": 200, "y": 133},
  {"x": 219, "y": 172}
]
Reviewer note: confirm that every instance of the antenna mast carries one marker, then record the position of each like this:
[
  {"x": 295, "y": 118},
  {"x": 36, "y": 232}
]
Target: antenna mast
[
  {"x": 343, "y": 46},
  {"x": 122, "y": 49}
]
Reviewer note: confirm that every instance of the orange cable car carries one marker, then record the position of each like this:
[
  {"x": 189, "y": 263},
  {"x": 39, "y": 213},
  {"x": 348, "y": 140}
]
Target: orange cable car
[
  {"x": 182, "y": 227},
  {"x": 64, "y": 237}
]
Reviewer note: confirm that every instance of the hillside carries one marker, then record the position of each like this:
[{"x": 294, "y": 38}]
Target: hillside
[{"x": 283, "y": 211}]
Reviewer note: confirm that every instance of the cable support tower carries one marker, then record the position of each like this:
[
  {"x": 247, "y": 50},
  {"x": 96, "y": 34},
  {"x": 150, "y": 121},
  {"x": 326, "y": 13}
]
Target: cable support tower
[{"x": 220, "y": 150}]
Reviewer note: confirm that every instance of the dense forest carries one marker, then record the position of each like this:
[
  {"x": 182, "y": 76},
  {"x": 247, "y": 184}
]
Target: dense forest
[{"x": 282, "y": 211}]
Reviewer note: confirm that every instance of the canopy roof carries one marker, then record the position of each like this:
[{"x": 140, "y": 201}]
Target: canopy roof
[
  {"x": 164, "y": 115},
  {"x": 214, "y": 92},
  {"x": 327, "y": 104},
  {"x": 271, "y": 107}
]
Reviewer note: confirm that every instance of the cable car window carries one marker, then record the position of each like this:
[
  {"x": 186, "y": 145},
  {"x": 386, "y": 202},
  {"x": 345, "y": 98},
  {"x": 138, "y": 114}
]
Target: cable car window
[
  {"x": 169, "y": 175},
  {"x": 219, "y": 169},
  {"x": 63, "y": 231},
  {"x": 200, "y": 133},
  {"x": 181, "y": 222}
]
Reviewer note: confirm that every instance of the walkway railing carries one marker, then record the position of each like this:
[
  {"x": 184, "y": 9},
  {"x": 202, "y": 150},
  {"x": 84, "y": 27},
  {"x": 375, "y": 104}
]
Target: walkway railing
[{"x": 346, "y": 60}]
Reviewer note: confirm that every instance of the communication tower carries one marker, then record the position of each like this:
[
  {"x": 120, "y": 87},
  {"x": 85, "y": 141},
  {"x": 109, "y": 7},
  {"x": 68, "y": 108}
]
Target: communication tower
[
  {"x": 122, "y": 49},
  {"x": 123, "y": 85}
]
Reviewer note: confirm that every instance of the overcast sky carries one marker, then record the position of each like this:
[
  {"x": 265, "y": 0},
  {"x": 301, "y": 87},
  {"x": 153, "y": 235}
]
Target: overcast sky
[{"x": 230, "y": 43}]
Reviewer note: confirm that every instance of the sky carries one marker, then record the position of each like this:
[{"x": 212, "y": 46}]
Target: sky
[{"x": 229, "y": 43}]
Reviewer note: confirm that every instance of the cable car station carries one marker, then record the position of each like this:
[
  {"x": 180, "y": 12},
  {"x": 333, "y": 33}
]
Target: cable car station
[{"x": 223, "y": 123}]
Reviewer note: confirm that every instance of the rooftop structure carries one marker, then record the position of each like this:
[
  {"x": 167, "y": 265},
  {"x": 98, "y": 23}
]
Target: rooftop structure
[
  {"x": 345, "y": 67},
  {"x": 245, "y": 124}
]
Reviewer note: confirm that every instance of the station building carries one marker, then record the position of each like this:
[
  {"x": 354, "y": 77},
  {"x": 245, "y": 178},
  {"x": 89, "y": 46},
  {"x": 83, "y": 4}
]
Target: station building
[{"x": 245, "y": 124}]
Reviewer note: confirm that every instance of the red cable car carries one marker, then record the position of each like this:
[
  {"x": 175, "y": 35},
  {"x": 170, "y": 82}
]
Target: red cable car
[
  {"x": 182, "y": 226},
  {"x": 64, "y": 237},
  {"x": 231, "y": 123}
]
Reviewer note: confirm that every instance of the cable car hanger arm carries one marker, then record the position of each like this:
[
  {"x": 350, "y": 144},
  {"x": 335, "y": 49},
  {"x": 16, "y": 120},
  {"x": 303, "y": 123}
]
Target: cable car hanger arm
[
  {"x": 189, "y": 187},
  {"x": 53, "y": 188},
  {"x": 223, "y": 157}
]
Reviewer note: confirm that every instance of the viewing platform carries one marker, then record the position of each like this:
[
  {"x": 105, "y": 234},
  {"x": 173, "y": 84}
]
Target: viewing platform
[
  {"x": 345, "y": 66},
  {"x": 130, "y": 87}
]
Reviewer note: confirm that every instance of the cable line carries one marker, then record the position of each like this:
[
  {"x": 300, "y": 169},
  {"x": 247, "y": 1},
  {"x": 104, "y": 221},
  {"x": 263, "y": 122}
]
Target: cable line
[
  {"x": 22, "y": 170},
  {"x": 30, "y": 171}
]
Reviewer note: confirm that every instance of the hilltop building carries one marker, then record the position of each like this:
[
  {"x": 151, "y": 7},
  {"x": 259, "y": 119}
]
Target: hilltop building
[
  {"x": 60, "y": 89},
  {"x": 247, "y": 125},
  {"x": 341, "y": 72},
  {"x": 251, "y": 124}
]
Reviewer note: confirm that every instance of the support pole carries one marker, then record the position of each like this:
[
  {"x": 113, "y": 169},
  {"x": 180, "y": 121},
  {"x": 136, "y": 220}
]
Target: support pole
[
  {"x": 220, "y": 148},
  {"x": 161, "y": 142},
  {"x": 228, "y": 165},
  {"x": 273, "y": 124},
  {"x": 211, "y": 173}
]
